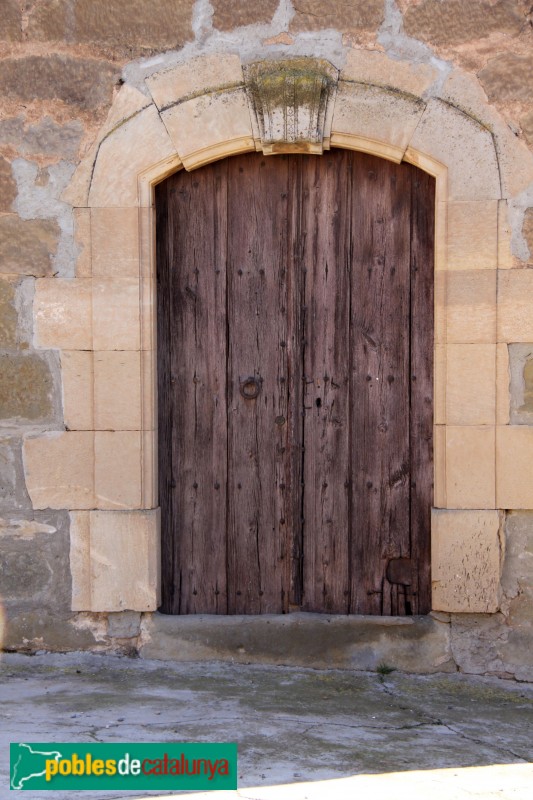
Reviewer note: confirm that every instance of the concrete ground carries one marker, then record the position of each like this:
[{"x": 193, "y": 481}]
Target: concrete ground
[{"x": 301, "y": 733}]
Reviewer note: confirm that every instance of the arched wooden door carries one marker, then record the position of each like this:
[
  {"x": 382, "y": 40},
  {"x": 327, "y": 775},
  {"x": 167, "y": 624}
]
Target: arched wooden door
[{"x": 295, "y": 341}]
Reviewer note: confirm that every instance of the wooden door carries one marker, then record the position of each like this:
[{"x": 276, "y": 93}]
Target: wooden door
[{"x": 295, "y": 339}]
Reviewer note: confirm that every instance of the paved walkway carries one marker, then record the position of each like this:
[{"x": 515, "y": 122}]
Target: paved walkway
[{"x": 301, "y": 733}]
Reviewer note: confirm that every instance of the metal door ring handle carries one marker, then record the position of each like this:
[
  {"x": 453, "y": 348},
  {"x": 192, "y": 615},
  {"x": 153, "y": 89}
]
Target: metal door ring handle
[{"x": 250, "y": 388}]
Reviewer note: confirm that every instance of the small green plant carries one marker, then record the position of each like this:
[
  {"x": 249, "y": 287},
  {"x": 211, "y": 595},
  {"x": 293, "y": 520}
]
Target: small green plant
[{"x": 384, "y": 669}]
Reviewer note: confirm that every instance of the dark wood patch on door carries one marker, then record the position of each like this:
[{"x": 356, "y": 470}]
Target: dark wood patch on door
[{"x": 295, "y": 339}]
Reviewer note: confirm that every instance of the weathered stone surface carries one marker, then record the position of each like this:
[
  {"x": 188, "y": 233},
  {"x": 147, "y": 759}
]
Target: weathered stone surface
[
  {"x": 80, "y": 82},
  {"x": 8, "y": 314},
  {"x": 316, "y": 640},
  {"x": 457, "y": 21},
  {"x": 13, "y": 494},
  {"x": 508, "y": 77},
  {"x": 47, "y": 20},
  {"x": 27, "y": 246},
  {"x": 11, "y": 21},
  {"x": 521, "y": 385},
  {"x": 45, "y": 137},
  {"x": 476, "y": 641},
  {"x": 34, "y": 558},
  {"x": 376, "y": 68},
  {"x": 233, "y": 15},
  {"x": 26, "y": 387},
  {"x": 527, "y": 231},
  {"x": 123, "y": 624},
  {"x": 312, "y": 15},
  {"x": 8, "y": 187},
  {"x": 200, "y": 75},
  {"x": 526, "y": 123}
]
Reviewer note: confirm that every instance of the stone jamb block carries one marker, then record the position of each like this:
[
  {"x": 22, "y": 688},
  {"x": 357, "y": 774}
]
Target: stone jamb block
[
  {"x": 117, "y": 390},
  {"x": 115, "y": 242},
  {"x": 59, "y": 469},
  {"x": 470, "y": 467},
  {"x": 514, "y": 473},
  {"x": 466, "y": 561},
  {"x": 470, "y": 384},
  {"x": 118, "y": 469},
  {"x": 210, "y": 127},
  {"x": 472, "y": 234},
  {"x": 471, "y": 306},
  {"x": 115, "y": 557},
  {"x": 62, "y": 312},
  {"x": 439, "y": 385},
  {"x": 78, "y": 389},
  {"x": 503, "y": 381},
  {"x": 439, "y": 466},
  {"x": 116, "y": 316}
]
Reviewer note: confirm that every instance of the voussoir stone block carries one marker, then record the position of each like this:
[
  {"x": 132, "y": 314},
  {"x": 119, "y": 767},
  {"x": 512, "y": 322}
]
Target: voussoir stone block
[
  {"x": 466, "y": 561},
  {"x": 200, "y": 75},
  {"x": 465, "y": 146},
  {"x": 377, "y": 69}
]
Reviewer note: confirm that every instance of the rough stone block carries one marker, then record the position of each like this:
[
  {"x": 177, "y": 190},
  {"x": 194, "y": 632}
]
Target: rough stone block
[
  {"x": 60, "y": 470},
  {"x": 466, "y": 561},
  {"x": 515, "y": 305},
  {"x": 471, "y": 306},
  {"x": 476, "y": 641},
  {"x": 377, "y": 69},
  {"x": 314, "y": 15},
  {"x": 115, "y": 242},
  {"x": 117, "y": 391},
  {"x": 458, "y": 21},
  {"x": 235, "y": 15},
  {"x": 13, "y": 494},
  {"x": 473, "y": 235},
  {"x": 62, "y": 313},
  {"x": 124, "y": 624},
  {"x": 470, "y": 468},
  {"x": 8, "y": 314},
  {"x": 115, "y": 313},
  {"x": 44, "y": 137},
  {"x": 117, "y": 469},
  {"x": 465, "y": 146},
  {"x": 78, "y": 388},
  {"x": 124, "y": 558},
  {"x": 470, "y": 387},
  {"x": 521, "y": 383},
  {"x": 376, "y": 114},
  {"x": 200, "y": 75},
  {"x": 210, "y": 126},
  {"x": 27, "y": 246},
  {"x": 11, "y": 21},
  {"x": 131, "y": 148},
  {"x": 514, "y": 476},
  {"x": 508, "y": 77},
  {"x": 28, "y": 391},
  {"x": 8, "y": 187},
  {"x": 81, "y": 82}
]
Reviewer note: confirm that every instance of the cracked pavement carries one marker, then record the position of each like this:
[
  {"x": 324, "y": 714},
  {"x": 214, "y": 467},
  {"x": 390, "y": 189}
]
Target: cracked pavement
[{"x": 292, "y": 725}]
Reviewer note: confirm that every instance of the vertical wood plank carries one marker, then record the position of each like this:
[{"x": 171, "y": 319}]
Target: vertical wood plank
[
  {"x": 259, "y": 451},
  {"x": 324, "y": 232},
  {"x": 197, "y": 257},
  {"x": 421, "y": 410},
  {"x": 380, "y": 383}
]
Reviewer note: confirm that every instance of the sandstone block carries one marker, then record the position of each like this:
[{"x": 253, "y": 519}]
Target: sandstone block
[
  {"x": 470, "y": 470},
  {"x": 117, "y": 465},
  {"x": 85, "y": 83},
  {"x": 465, "y": 561},
  {"x": 458, "y": 21},
  {"x": 117, "y": 391},
  {"x": 27, "y": 246},
  {"x": 234, "y": 15},
  {"x": 60, "y": 470},
  {"x": 514, "y": 476},
  {"x": 515, "y": 305},
  {"x": 133, "y": 147},
  {"x": 115, "y": 561},
  {"x": 503, "y": 379},
  {"x": 210, "y": 126},
  {"x": 8, "y": 187},
  {"x": 78, "y": 388},
  {"x": 377, "y": 69},
  {"x": 465, "y": 146},
  {"x": 8, "y": 314},
  {"x": 439, "y": 466},
  {"x": 470, "y": 392},
  {"x": 471, "y": 306},
  {"x": 115, "y": 242},
  {"x": 508, "y": 77},
  {"x": 82, "y": 238},
  {"x": 505, "y": 255},
  {"x": 520, "y": 366},
  {"x": 62, "y": 313},
  {"x": 527, "y": 231},
  {"x": 526, "y": 123},
  {"x": 379, "y": 115},
  {"x": 13, "y": 494},
  {"x": 115, "y": 314},
  {"x": 200, "y": 75},
  {"x": 26, "y": 388},
  {"x": 11, "y": 21},
  {"x": 473, "y": 235},
  {"x": 313, "y": 15}
]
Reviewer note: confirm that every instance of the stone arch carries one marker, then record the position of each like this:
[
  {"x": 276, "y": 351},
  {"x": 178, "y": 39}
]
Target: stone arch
[{"x": 102, "y": 467}]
